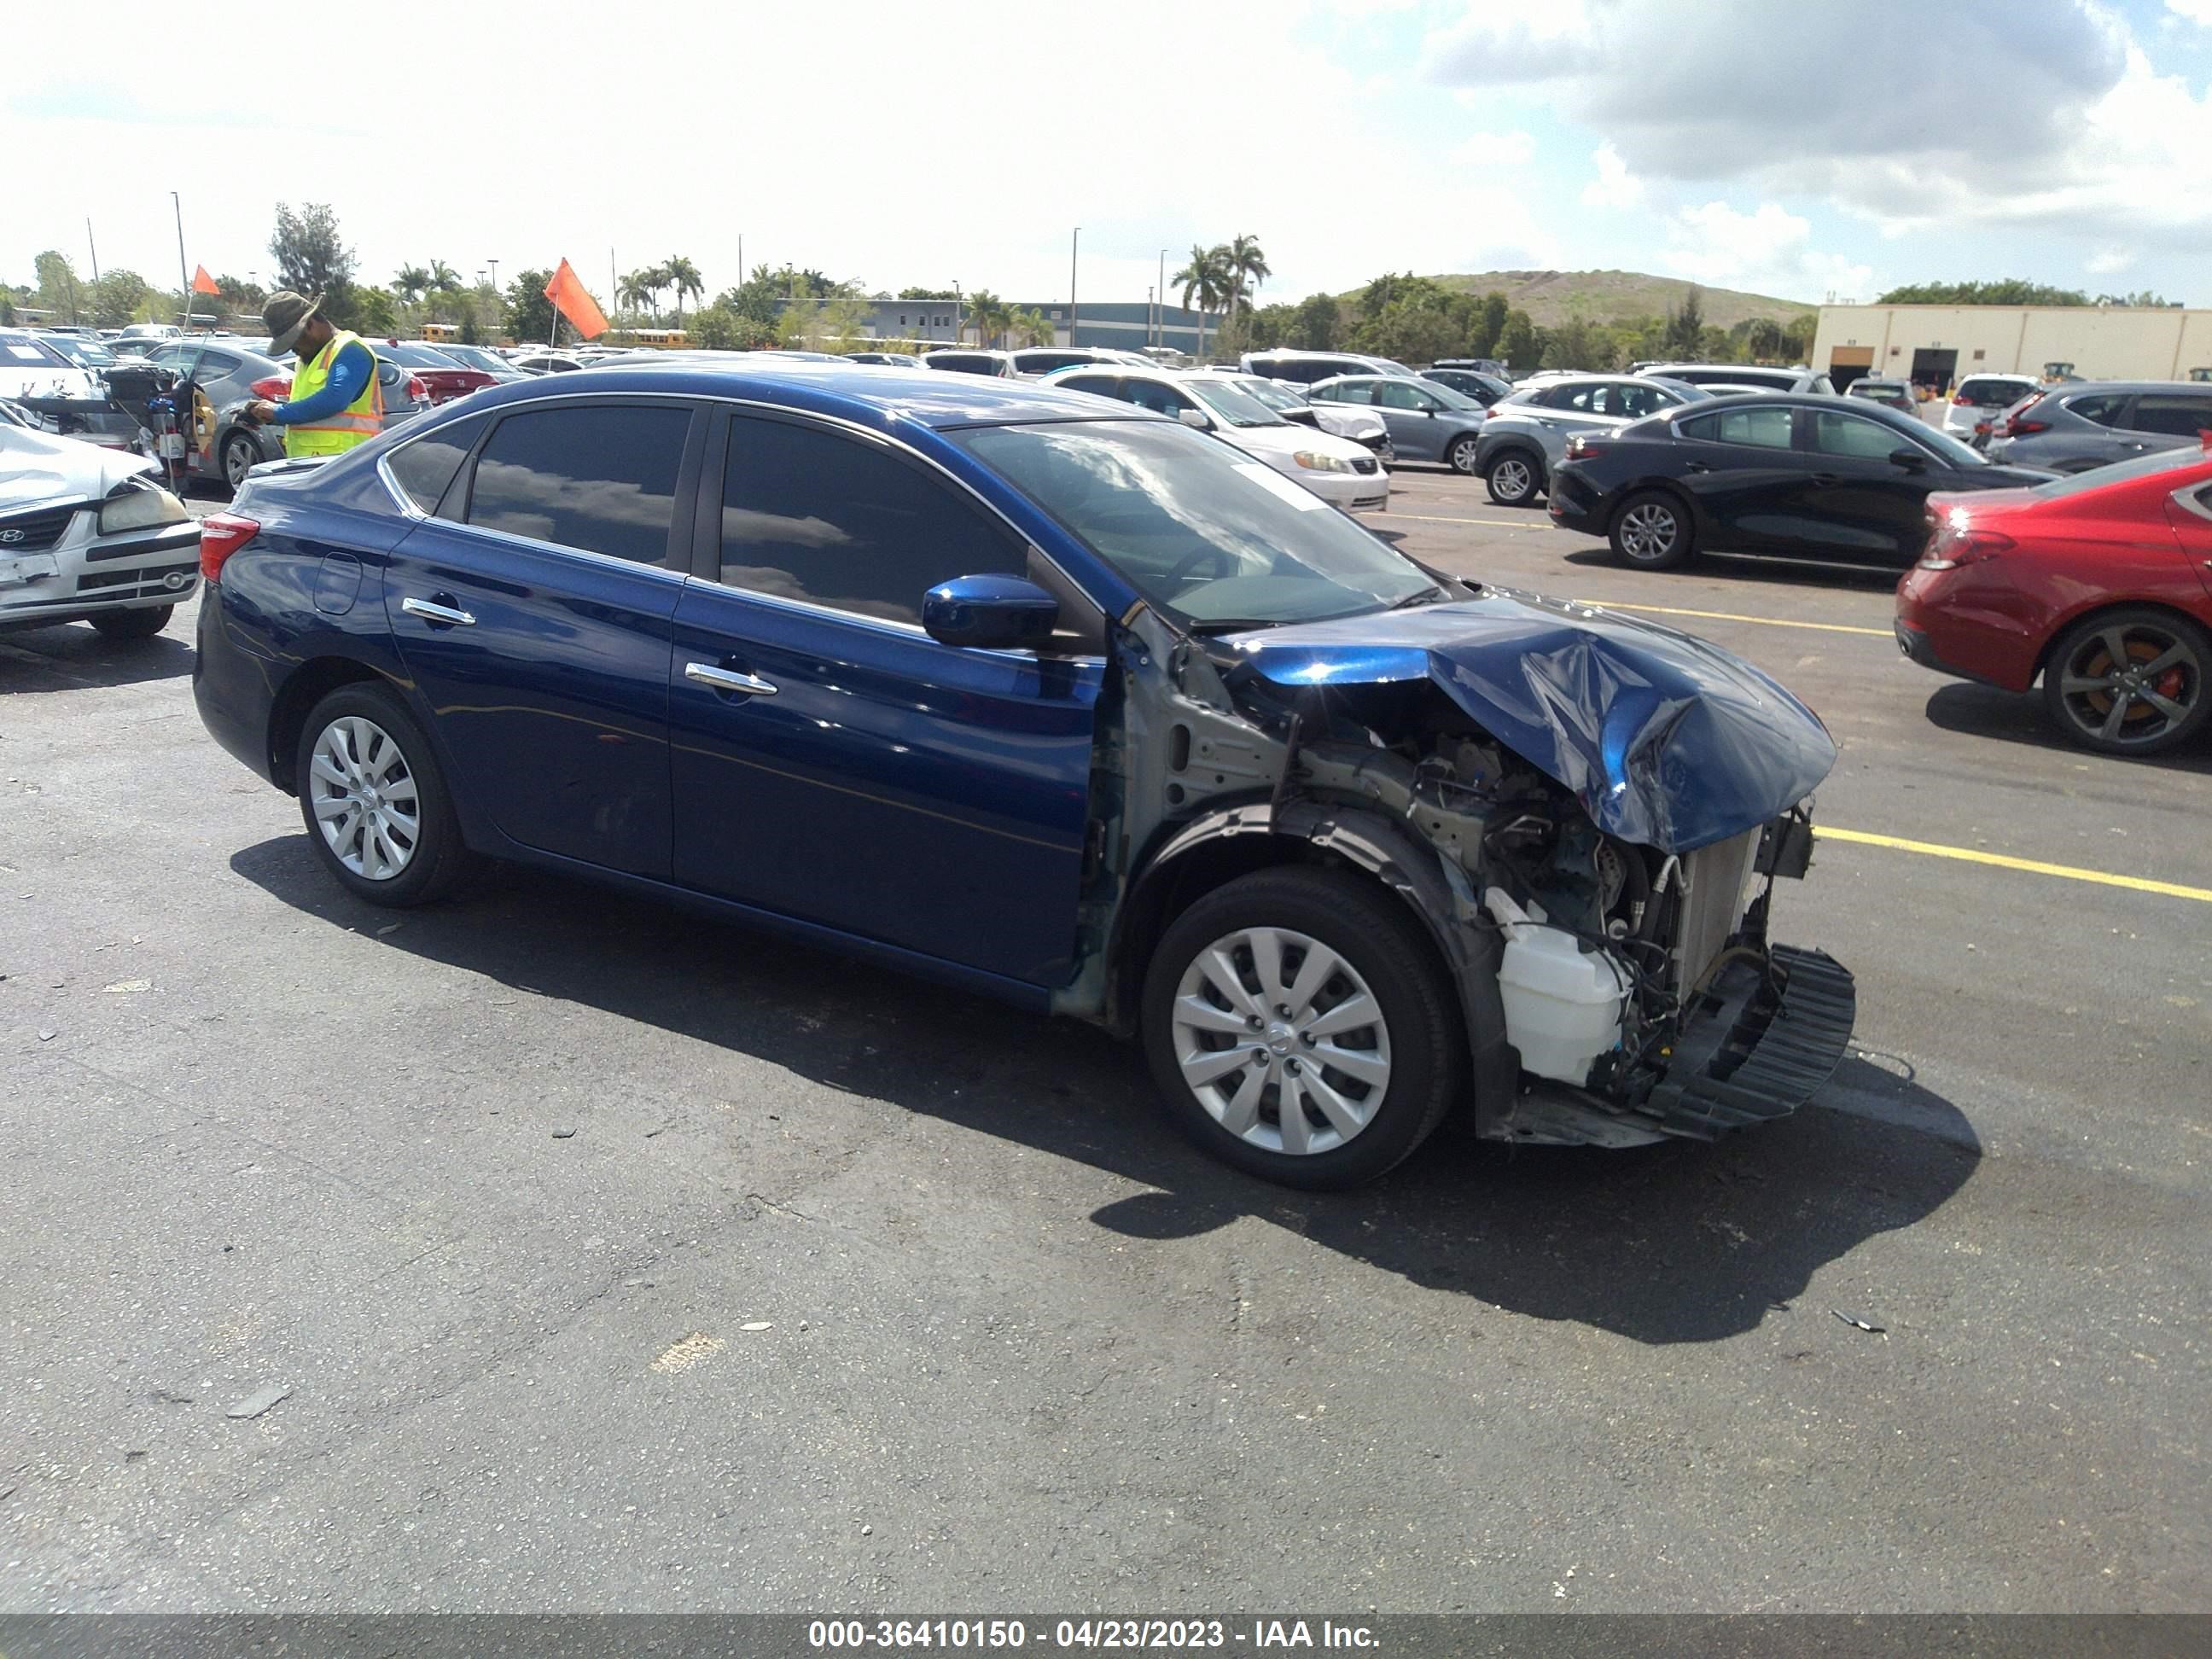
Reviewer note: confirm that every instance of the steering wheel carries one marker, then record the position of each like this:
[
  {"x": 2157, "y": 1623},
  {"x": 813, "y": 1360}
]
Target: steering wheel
[{"x": 1187, "y": 567}]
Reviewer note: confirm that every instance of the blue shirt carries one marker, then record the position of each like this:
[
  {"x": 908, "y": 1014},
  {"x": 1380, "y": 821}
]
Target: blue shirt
[{"x": 355, "y": 367}]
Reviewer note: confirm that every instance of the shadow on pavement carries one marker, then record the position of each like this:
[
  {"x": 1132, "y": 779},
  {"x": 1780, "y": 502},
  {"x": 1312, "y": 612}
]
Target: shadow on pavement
[
  {"x": 72, "y": 657},
  {"x": 1680, "y": 1243},
  {"x": 1986, "y": 711},
  {"x": 1751, "y": 567}
]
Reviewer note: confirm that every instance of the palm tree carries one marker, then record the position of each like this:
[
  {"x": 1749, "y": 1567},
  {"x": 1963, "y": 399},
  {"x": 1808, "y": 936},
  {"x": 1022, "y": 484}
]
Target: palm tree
[
  {"x": 988, "y": 316},
  {"x": 410, "y": 282},
  {"x": 1031, "y": 327},
  {"x": 1247, "y": 265},
  {"x": 680, "y": 274},
  {"x": 635, "y": 291},
  {"x": 444, "y": 279},
  {"x": 1206, "y": 280}
]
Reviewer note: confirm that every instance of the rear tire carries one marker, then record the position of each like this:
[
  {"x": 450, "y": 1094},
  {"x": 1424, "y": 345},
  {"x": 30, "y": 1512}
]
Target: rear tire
[
  {"x": 2134, "y": 681},
  {"x": 376, "y": 806},
  {"x": 240, "y": 455},
  {"x": 1515, "y": 478},
  {"x": 1652, "y": 531},
  {"x": 1461, "y": 456},
  {"x": 1307, "y": 991},
  {"x": 140, "y": 624}
]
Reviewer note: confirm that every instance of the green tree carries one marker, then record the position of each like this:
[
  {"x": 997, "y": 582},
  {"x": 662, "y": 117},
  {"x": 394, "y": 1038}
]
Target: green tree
[
  {"x": 1579, "y": 344},
  {"x": 1490, "y": 315},
  {"x": 1318, "y": 319},
  {"x": 58, "y": 284},
  {"x": 683, "y": 277},
  {"x": 240, "y": 297},
  {"x": 529, "y": 312},
  {"x": 444, "y": 279},
  {"x": 2002, "y": 291},
  {"x": 410, "y": 282},
  {"x": 312, "y": 257},
  {"x": 1266, "y": 327},
  {"x": 374, "y": 312},
  {"x": 1763, "y": 340},
  {"x": 721, "y": 327},
  {"x": 1247, "y": 267},
  {"x": 1685, "y": 325},
  {"x": 1032, "y": 327},
  {"x": 988, "y": 315},
  {"x": 1204, "y": 282},
  {"x": 929, "y": 294},
  {"x": 115, "y": 298},
  {"x": 1520, "y": 343}
]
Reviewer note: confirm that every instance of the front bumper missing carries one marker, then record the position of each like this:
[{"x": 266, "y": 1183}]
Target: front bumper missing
[{"x": 1775, "y": 1037}]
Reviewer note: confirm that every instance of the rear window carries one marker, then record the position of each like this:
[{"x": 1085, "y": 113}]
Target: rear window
[
  {"x": 2174, "y": 416},
  {"x": 2104, "y": 408},
  {"x": 1994, "y": 394},
  {"x": 965, "y": 362},
  {"x": 1760, "y": 428}
]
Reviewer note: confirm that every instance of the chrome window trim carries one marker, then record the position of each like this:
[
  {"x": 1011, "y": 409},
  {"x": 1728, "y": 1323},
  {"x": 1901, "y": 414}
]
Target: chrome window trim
[{"x": 2188, "y": 498}]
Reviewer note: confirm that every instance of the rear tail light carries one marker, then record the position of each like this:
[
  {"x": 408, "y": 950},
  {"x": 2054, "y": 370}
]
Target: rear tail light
[
  {"x": 1962, "y": 400},
  {"x": 1580, "y": 448},
  {"x": 1491, "y": 413},
  {"x": 2016, "y": 427},
  {"x": 222, "y": 534},
  {"x": 418, "y": 390},
  {"x": 273, "y": 388},
  {"x": 1955, "y": 544}
]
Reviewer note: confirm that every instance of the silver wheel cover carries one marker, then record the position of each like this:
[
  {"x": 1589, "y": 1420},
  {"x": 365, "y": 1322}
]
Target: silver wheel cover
[
  {"x": 1648, "y": 532},
  {"x": 1511, "y": 478},
  {"x": 1281, "y": 1041},
  {"x": 364, "y": 798}
]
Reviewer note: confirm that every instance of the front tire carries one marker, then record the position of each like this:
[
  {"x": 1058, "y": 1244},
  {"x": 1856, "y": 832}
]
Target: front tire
[
  {"x": 2135, "y": 681},
  {"x": 1652, "y": 531},
  {"x": 140, "y": 624},
  {"x": 1513, "y": 477},
  {"x": 376, "y": 807},
  {"x": 1300, "y": 1027},
  {"x": 1461, "y": 456}
]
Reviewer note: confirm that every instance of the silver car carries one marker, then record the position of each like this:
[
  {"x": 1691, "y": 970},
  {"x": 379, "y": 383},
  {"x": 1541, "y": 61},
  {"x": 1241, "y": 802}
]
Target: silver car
[
  {"x": 231, "y": 374},
  {"x": 1742, "y": 377},
  {"x": 1289, "y": 399},
  {"x": 87, "y": 534},
  {"x": 1427, "y": 423},
  {"x": 2079, "y": 424},
  {"x": 1525, "y": 436}
]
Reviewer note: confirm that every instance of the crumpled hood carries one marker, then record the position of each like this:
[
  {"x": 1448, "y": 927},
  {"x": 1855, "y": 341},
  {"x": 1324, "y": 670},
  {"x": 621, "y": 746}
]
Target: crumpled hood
[
  {"x": 40, "y": 466},
  {"x": 1667, "y": 740}
]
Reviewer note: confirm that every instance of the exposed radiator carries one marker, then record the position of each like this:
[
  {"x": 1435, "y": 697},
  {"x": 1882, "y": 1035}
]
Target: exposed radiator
[{"x": 1715, "y": 880}]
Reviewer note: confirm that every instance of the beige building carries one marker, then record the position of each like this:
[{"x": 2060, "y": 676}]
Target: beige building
[{"x": 1938, "y": 345}]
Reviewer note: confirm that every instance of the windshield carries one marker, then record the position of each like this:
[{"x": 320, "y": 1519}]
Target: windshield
[
  {"x": 1267, "y": 392},
  {"x": 85, "y": 354},
  {"x": 415, "y": 355},
  {"x": 1449, "y": 398},
  {"x": 2166, "y": 460},
  {"x": 1233, "y": 403},
  {"x": 1211, "y": 538},
  {"x": 1395, "y": 367},
  {"x": 475, "y": 357},
  {"x": 21, "y": 350},
  {"x": 1948, "y": 448}
]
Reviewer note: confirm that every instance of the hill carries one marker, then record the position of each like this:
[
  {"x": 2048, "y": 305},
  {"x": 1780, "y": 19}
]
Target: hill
[{"x": 1551, "y": 297}]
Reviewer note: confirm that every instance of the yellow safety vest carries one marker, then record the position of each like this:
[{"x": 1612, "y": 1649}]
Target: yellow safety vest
[{"x": 333, "y": 434}]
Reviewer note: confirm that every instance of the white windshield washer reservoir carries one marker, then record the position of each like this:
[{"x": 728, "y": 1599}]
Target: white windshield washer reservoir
[{"x": 1563, "y": 1003}]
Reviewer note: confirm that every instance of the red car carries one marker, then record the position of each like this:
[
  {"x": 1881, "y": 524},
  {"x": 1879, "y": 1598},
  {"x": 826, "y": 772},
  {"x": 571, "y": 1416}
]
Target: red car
[
  {"x": 447, "y": 378},
  {"x": 2101, "y": 583}
]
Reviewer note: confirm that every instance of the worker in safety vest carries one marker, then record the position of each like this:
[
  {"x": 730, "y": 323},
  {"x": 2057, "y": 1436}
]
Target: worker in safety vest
[{"x": 336, "y": 401}]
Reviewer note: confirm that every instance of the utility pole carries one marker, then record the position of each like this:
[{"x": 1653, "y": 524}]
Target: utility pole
[
  {"x": 1149, "y": 316},
  {"x": 95, "y": 246},
  {"x": 494, "y": 264},
  {"x": 1163, "y": 340},
  {"x": 1074, "y": 243},
  {"x": 184, "y": 274}
]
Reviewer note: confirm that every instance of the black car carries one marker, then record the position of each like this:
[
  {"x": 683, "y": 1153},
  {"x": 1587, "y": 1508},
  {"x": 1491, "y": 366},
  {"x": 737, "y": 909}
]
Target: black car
[
  {"x": 1485, "y": 389},
  {"x": 1812, "y": 477}
]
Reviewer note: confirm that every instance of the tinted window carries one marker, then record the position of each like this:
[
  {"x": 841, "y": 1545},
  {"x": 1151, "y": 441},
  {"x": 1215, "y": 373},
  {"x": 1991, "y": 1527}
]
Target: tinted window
[
  {"x": 965, "y": 362},
  {"x": 1305, "y": 372},
  {"x": 1995, "y": 394},
  {"x": 1043, "y": 362},
  {"x": 1762, "y": 428},
  {"x": 2104, "y": 410},
  {"x": 1404, "y": 394},
  {"x": 424, "y": 467},
  {"x": 1852, "y": 435},
  {"x": 213, "y": 366},
  {"x": 1105, "y": 385},
  {"x": 1157, "y": 396},
  {"x": 1350, "y": 392},
  {"x": 1635, "y": 402},
  {"x": 2176, "y": 417},
  {"x": 602, "y": 478},
  {"x": 813, "y": 515}
]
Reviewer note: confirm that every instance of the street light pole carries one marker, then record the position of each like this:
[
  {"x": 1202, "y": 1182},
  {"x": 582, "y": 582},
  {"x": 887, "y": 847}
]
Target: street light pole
[
  {"x": 1074, "y": 242},
  {"x": 1163, "y": 340},
  {"x": 184, "y": 276},
  {"x": 95, "y": 246}
]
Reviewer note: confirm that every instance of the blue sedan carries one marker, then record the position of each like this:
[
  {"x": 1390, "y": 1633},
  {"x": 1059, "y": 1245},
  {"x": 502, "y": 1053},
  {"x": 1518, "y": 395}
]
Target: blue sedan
[{"x": 1056, "y": 700}]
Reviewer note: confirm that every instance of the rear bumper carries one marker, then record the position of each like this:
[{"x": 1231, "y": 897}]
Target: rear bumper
[
  {"x": 231, "y": 688},
  {"x": 1573, "y": 504},
  {"x": 1955, "y": 622}
]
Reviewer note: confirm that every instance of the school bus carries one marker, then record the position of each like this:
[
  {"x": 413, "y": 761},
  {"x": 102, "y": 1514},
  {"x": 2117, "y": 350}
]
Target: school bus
[{"x": 434, "y": 332}]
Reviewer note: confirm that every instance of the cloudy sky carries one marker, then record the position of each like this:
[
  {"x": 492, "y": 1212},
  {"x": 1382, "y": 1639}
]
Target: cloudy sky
[{"x": 1805, "y": 147}]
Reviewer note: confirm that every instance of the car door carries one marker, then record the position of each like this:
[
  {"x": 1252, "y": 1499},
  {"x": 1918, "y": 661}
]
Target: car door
[
  {"x": 534, "y": 614},
  {"x": 1741, "y": 467},
  {"x": 1853, "y": 501},
  {"x": 835, "y": 765},
  {"x": 1410, "y": 413},
  {"x": 2166, "y": 419},
  {"x": 2189, "y": 510}
]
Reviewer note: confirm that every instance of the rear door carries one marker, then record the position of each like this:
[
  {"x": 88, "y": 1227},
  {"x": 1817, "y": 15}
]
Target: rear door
[
  {"x": 835, "y": 765},
  {"x": 2167, "y": 419},
  {"x": 535, "y": 611},
  {"x": 2190, "y": 512},
  {"x": 1742, "y": 469},
  {"x": 1411, "y": 415},
  {"x": 1854, "y": 501}
]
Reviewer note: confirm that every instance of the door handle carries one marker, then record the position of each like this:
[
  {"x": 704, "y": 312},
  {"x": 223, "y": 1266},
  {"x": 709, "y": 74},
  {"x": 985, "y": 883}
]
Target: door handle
[
  {"x": 728, "y": 679},
  {"x": 1696, "y": 467},
  {"x": 432, "y": 612},
  {"x": 1823, "y": 480}
]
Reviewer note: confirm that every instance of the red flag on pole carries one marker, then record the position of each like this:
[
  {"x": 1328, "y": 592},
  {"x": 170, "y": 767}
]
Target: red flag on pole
[
  {"x": 202, "y": 282},
  {"x": 569, "y": 298}
]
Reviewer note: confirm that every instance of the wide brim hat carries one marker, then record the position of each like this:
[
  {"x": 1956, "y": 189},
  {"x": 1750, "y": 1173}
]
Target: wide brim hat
[{"x": 286, "y": 314}]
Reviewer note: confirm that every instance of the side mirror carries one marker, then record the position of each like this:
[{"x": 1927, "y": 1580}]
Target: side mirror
[
  {"x": 1303, "y": 416},
  {"x": 1195, "y": 417},
  {"x": 989, "y": 613},
  {"x": 1911, "y": 459}
]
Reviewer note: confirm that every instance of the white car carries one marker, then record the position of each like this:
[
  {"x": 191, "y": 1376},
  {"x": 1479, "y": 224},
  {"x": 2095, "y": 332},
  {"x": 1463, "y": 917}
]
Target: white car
[
  {"x": 1339, "y": 471},
  {"x": 1289, "y": 399},
  {"x": 1981, "y": 398},
  {"x": 87, "y": 535}
]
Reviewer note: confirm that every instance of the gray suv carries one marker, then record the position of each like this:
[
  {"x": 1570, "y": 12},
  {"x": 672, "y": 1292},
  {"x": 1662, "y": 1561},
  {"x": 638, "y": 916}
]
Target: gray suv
[
  {"x": 1427, "y": 423},
  {"x": 1526, "y": 435},
  {"x": 2079, "y": 424}
]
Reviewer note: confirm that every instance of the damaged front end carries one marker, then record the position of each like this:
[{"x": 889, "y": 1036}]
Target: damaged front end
[{"x": 1588, "y": 812}]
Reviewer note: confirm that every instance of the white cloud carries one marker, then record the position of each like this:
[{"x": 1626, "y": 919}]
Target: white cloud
[
  {"x": 1614, "y": 188},
  {"x": 2196, "y": 12},
  {"x": 1768, "y": 250},
  {"x": 2107, "y": 260},
  {"x": 1495, "y": 149}
]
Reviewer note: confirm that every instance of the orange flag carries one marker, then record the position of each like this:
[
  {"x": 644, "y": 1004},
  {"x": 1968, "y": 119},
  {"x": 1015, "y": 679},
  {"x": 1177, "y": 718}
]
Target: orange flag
[
  {"x": 202, "y": 282},
  {"x": 567, "y": 293}
]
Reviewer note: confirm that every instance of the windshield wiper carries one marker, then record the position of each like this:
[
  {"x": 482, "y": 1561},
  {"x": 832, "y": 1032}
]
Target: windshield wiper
[
  {"x": 1419, "y": 596},
  {"x": 1231, "y": 625}
]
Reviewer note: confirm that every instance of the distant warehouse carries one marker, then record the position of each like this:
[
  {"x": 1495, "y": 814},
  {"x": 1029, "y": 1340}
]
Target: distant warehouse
[{"x": 1936, "y": 346}]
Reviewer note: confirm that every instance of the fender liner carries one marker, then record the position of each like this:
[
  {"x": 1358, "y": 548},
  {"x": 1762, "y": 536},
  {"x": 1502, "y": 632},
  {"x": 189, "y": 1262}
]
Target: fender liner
[{"x": 1437, "y": 892}]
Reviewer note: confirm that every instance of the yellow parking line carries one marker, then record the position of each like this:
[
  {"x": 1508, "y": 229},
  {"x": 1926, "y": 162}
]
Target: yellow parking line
[
  {"x": 2032, "y": 866},
  {"x": 1730, "y": 616},
  {"x": 1430, "y": 518}
]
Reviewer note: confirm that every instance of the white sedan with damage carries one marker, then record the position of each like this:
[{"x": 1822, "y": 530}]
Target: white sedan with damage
[{"x": 88, "y": 534}]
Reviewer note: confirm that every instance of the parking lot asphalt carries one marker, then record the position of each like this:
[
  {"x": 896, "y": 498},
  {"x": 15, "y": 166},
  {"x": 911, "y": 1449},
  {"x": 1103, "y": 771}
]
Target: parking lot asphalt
[{"x": 609, "y": 1260}]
